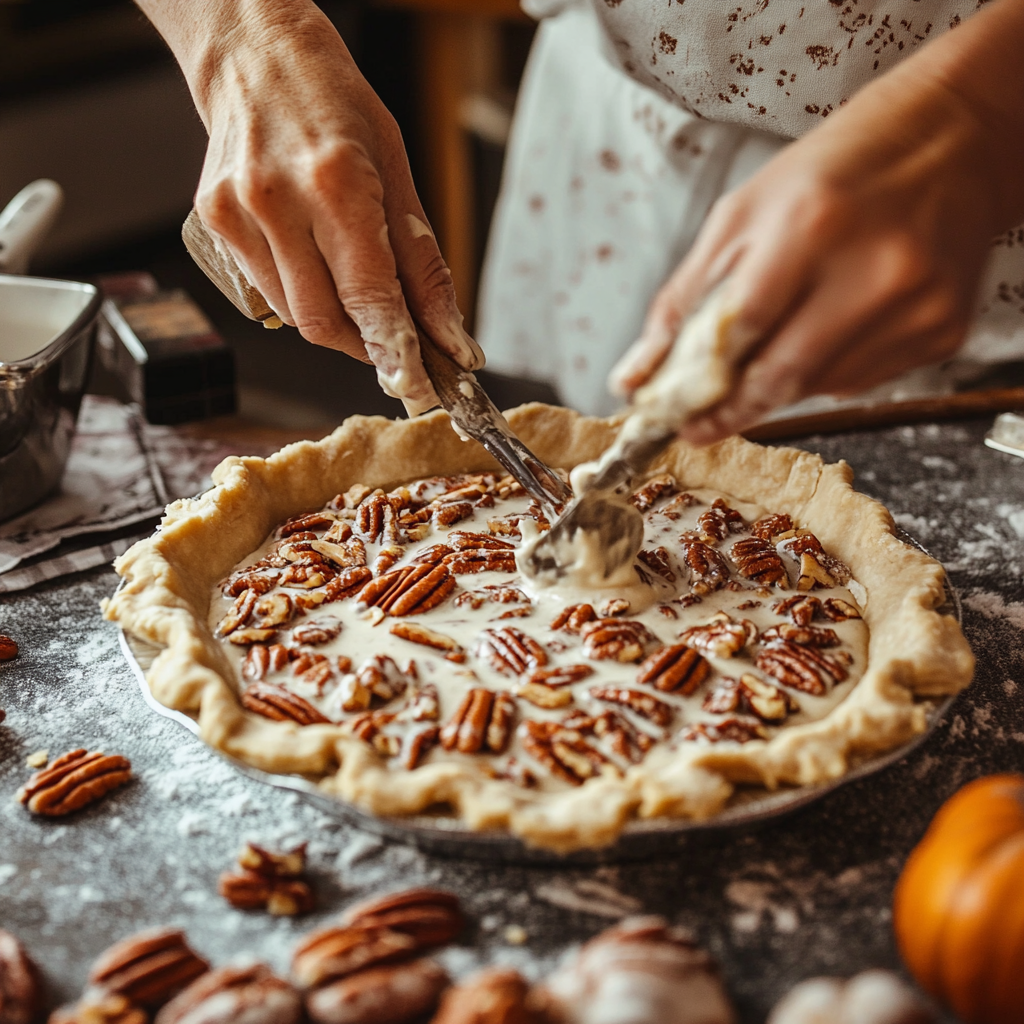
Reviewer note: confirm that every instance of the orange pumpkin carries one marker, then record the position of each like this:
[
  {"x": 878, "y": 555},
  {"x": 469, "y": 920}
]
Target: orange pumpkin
[{"x": 959, "y": 904}]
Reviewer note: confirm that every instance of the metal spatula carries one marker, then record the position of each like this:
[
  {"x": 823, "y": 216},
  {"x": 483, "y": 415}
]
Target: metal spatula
[
  {"x": 696, "y": 374},
  {"x": 460, "y": 393}
]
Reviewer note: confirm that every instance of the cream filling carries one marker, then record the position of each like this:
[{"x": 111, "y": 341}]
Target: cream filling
[{"x": 365, "y": 633}]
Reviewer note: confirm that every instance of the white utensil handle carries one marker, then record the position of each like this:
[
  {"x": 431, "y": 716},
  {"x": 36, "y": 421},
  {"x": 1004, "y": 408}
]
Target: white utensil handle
[{"x": 25, "y": 221}]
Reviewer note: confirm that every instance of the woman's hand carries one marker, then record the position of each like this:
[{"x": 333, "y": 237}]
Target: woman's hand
[
  {"x": 307, "y": 182},
  {"x": 856, "y": 253}
]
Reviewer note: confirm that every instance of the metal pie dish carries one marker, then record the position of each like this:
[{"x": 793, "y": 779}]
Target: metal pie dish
[
  {"x": 46, "y": 338},
  {"x": 640, "y": 839}
]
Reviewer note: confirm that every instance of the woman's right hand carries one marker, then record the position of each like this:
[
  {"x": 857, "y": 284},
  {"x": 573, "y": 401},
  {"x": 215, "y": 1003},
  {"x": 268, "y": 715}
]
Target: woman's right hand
[{"x": 307, "y": 183}]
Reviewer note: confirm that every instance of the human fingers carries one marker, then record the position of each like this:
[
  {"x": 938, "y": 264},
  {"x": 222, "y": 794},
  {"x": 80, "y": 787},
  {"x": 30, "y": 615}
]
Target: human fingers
[
  {"x": 230, "y": 226},
  {"x": 859, "y": 324},
  {"x": 351, "y": 230},
  {"x": 425, "y": 278}
]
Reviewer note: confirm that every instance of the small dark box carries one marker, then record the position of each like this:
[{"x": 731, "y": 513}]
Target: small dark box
[{"x": 165, "y": 352}]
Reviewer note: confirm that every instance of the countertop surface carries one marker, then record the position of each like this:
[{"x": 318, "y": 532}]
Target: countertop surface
[{"x": 808, "y": 894}]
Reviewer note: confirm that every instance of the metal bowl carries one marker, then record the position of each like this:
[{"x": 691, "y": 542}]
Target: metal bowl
[
  {"x": 641, "y": 839},
  {"x": 46, "y": 337}
]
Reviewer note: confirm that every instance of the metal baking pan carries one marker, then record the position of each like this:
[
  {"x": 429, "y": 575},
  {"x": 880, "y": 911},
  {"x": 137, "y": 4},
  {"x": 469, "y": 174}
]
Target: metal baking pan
[
  {"x": 641, "y": 839},
  {"x": 46, "y": 338}
]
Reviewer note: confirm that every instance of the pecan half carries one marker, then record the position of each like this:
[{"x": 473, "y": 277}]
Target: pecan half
[
  {"x": 21, "y": 992},
  {"x": 483, "y": 721},
  {"x": 750, "y": 695},
  {"x": 657, "y": 559},
  {"x": 347, "y": 583},
  {"x": 148, "y": 968},
  {"x": 640, "y": 702},
  {"x": 261, "y": 659},
  {"x": 462, "y": 540},
  {"x": 562, "y": 751},
  {"x": 391, "y": 994},
  {"x": 707, "y": 567},
  {"x": 351, "y": 499},
  {"x": 417, "y": 745},
  {"x": 497, "y": 593},
  {"x": 433, "y": 917},
  {"x": 733, "y": 730},
  {"x": 573, "y": 618},
  {"x": 231, "y": 995},
  {"x": 97, "y": 1007},
  {"x": 339, "y": 532},
  {"x": 305, "y": 577},
  {"x": 758, "y": 560},
  {"x": 376, "y": 518},
  {"x": 339, "y": 950},
  {"x": 494, "y": 996},
  {"x": 346, "y": 555},
  {"x": 817, "y": 567},
  {"x": 719, "y": 521},
  {"x": 244, "y": 637},
  {"x": 289, "y": 864},
  {"x": 238, "y": 614},
  {"x": 408, "y": 591},
  {"x": 388, "y": 556},
  {"x": 802, "y": 668},
  {"x": 432, "y": 555},
  {"x": 771, "y": 526},
  {"x": 806, "y": 636},
  {"x": 802, "y": 609},
  {"x": 675, "y": 669},
  {"x": 613, "y": 607},
  {"x": 273, "y": 610},
  {"x": 655, "y": 489},
  {"x": 262, "y": 581},
  {"x": 510, "y": 651},
  {"x": 559, "y": 675},
  {"x": 382, "y": 677},
  {"x": 723, "y": 637},
  {"x": 314, "y": 632},
  {"x": 8, "y": 648},
  {"x": 473, "y": 560},
  {"x": 281, "y": 705},
  {"x": 424, "y": 704},
  {"x": 544, "y": 696},
  {"x": 622, "y": 737},
  {"x": 282, "y": 897},
  {"x": 301, "y": 524},
  {"x": 74, "y": 780},
  {"x": 616, "y": 639},
  {"x": 838, "y": 610},
  {"x": 450, "y": 512},
  {"x": 418, "y": 634}
]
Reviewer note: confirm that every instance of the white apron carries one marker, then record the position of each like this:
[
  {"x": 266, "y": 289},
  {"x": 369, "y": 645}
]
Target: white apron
[{"x": 633, "y": 117}]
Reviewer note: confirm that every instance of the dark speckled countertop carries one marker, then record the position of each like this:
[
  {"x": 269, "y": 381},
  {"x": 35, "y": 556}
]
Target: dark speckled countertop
[{"x": 806, "y": 895}]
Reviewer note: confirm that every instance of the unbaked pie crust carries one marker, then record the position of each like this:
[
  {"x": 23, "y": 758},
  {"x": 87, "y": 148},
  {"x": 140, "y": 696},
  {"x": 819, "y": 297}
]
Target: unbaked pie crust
[{"x": 171, "y": 585}]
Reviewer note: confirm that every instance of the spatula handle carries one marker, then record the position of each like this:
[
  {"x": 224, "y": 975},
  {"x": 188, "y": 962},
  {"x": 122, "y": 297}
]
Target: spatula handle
[{"x": 220, "y": 267}]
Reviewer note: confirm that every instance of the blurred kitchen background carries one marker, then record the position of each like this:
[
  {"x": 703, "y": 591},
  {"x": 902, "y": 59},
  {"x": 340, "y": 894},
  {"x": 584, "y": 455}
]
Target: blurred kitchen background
[{"x": 91, "y": 97}]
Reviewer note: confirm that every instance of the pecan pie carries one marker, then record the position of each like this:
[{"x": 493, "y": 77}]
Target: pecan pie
[{"x": 352, "y": 610}]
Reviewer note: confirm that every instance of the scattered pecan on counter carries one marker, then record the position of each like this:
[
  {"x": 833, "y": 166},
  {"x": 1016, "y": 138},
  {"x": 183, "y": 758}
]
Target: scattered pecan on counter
[
  {"x": 8, "y": 648},
  {"x": 21, "y": 993},
  {"x": 74, "y": 780},
  {"x": 148, "y": 969},
  {"x": 232, "y": 995},
  {"x": 363, "y": 970},
  {"x": 268, "y": 881}
]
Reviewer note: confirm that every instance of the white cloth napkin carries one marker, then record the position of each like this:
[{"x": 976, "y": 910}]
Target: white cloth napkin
[{"x": 121, "y": 472}]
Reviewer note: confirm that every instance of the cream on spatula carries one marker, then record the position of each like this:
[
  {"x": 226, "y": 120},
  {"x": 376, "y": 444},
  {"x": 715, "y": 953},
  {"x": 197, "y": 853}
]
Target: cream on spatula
[{"x": 593, "y": 544}]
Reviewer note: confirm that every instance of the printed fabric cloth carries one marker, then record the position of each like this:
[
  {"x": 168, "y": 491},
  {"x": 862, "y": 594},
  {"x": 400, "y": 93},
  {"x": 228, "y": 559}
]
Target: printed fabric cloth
[{"x": 634, "y": 116}]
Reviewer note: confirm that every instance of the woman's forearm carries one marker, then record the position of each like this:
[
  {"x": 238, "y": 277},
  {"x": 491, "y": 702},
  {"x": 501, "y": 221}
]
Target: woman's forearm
[
  {"x": 204, "y": 36},
  {"x": 979, "y": 68}
]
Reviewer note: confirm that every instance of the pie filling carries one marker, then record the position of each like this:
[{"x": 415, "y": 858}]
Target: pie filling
[{"x": 404, "y": 618}]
